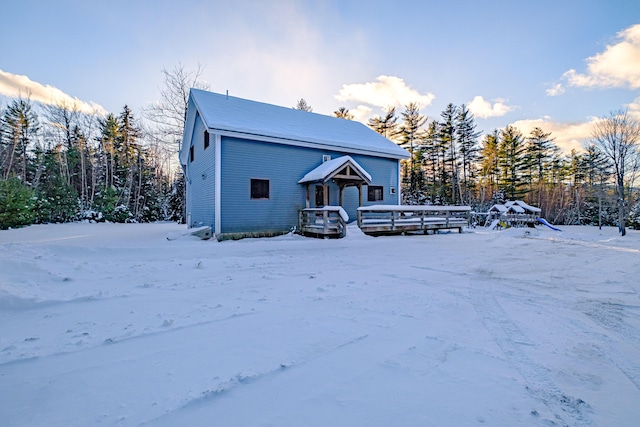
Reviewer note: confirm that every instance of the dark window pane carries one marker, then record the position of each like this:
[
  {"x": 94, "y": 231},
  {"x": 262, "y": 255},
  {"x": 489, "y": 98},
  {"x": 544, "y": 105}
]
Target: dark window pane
[
  {"x": 320, "y": 195},
  {"x": 375, "y": 193},
  {"x": 259, "y": 188}
]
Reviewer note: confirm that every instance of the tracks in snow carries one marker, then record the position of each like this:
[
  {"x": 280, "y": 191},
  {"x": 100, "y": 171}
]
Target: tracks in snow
[{"x": 567, "y": 410}]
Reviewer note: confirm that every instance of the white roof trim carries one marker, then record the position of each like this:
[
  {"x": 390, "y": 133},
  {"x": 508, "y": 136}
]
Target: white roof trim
[{"x": 329, "y": 168}]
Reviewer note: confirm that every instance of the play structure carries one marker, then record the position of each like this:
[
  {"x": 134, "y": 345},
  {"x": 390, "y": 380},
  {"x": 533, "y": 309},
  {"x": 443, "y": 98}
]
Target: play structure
[
  {"x": 515, "y": 214},
  {"x": 544, "y": 222}
]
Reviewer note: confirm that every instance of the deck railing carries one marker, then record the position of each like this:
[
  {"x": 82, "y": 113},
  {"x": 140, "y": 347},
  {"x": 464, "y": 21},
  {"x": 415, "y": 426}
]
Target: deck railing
[
  {"x": 328, "y": 221},
  {"x": 389, "y": 219}
]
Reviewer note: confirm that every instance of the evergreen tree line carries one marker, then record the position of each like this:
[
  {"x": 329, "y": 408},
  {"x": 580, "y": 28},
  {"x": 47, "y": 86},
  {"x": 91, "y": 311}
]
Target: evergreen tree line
[
  {"x": 58, "y": 164},
  {"x": 451, "y": 162}
]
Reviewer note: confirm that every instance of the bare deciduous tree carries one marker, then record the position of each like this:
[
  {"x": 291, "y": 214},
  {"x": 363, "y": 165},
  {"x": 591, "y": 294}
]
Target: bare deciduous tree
[
  {"x": 618, "y": 137},
  {"x": 169, "y": 114}
]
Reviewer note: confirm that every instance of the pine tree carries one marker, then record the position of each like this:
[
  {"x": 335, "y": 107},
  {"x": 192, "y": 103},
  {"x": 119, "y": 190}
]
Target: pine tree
[
  {"x": 540, "y": 150},
  {"x": 19, "y": 126},
  {"x": 410, "y": 133},
  {"x": 386, "y": 125},
  {"x": 429, "y": 156},
  {"x": 16, "y": 203},
  {"x": 596, "y": 169},
  {"x": 303, "y": 105},
  {"x": 448, "y": 144},
  {"x": 108, "y": 141},
  {"x": 343, "y": 113},
  {"x": 128, "y": 159},
  {"x": 489, "y": 166},
  {"x": 511, "y": 161},
  {"x": 468, "y": 143}
]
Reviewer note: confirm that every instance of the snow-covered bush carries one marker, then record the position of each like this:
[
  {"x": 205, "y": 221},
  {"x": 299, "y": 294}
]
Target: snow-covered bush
[
  {"x": 121, "y": 213},
  {"x": 16, "y": 204}
]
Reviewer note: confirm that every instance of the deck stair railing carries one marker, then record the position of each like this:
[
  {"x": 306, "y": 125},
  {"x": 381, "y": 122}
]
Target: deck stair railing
[{"x": 327, "y": 221}]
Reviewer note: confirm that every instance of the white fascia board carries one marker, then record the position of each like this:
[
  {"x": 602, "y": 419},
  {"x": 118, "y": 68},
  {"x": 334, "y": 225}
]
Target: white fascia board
[
  {"x": 307, "y": 144},
  {"x": 187, "y": 132}
]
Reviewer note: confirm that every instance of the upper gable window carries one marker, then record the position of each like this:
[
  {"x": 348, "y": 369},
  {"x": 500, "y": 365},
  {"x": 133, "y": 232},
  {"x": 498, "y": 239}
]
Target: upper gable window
[
  {"x": 191, "y": 153},
  {"x": 206, "y": 139}
]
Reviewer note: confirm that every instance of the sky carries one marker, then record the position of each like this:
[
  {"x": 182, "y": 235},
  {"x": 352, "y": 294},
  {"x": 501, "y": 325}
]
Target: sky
[{"x": 554, "y": 64}]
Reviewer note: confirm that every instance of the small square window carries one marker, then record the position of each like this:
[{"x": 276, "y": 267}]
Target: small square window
[
  {"x": 259, "y": 188},
  {"x": 375, "y": 193},
  {"x": 191, "y": 152},
  {"x": 206, "y": 139}
]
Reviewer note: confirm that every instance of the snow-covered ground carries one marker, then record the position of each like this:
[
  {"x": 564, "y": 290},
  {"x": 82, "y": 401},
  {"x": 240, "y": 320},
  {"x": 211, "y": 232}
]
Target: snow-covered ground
[{"x": 114, "y": 324}]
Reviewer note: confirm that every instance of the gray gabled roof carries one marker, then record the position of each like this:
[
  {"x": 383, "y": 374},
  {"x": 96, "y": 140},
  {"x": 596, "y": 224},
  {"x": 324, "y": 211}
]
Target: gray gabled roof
[{"x": 242, "y": 116}]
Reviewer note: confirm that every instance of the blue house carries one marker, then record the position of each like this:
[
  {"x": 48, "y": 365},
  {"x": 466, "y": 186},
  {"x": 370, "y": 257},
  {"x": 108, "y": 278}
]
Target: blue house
[{"x": 250, "y": 167}]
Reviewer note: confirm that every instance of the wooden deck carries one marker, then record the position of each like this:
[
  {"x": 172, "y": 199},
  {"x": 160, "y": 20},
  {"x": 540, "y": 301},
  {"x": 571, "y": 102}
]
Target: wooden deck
[
  {"x": 326, "y": 222},
  {"x": 389, "y": 219}
]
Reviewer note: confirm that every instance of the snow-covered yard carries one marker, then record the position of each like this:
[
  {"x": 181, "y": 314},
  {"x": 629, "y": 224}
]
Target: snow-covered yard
[{"x": 114, "y": 324}]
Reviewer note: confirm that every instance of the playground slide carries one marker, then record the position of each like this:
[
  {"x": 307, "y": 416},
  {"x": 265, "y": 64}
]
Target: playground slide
[
  {"x": 544, "y": 221},
  {"x": 494, "y": 224}
]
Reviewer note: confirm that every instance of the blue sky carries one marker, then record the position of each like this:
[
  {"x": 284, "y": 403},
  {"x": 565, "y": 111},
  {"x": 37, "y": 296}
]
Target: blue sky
[{"x": 554, "y": 64}]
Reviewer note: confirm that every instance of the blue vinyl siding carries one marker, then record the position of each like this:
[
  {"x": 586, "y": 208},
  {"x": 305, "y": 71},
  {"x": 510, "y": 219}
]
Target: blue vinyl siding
[
  {"x": 201, "y": 183},
  {"x": 244, "y": 160},
  {"x": 284, "y": 166},
  {"x": 384, "y": 172}
]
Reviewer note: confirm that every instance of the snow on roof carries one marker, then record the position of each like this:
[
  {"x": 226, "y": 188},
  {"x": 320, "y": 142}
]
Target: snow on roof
[
  {"x": 329, "y": 167},
  {"x": 507, "y": 207},
  {"x": 526, "y": 206},
  {"x": 228, "y": 113},
  {"x": 499, "y": 208}
]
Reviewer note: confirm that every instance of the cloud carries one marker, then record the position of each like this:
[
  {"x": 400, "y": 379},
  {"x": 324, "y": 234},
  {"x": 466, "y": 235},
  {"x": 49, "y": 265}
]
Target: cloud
[
  {"x": 280, "y": 60},
  {"x": 617, "y": 66},
  {"x": 634, "y": 109},
  {"x": 483, "y": 109},
  {"x": 556, "y": 89},
  {"x": 361, "y": 113},
  {"x": 15, "y": 86},
  {"x": 568, "y": 136},
  {"x": 386, "y": 91}
]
